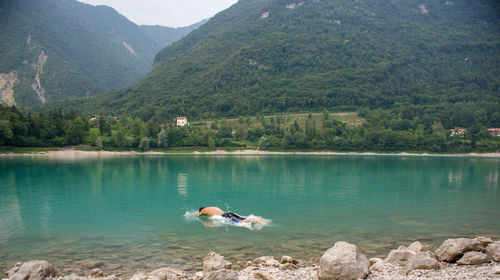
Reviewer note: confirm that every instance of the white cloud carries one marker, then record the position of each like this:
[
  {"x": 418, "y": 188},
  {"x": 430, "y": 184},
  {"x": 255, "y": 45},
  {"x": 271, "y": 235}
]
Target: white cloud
[{"x": 172, "y": 13}]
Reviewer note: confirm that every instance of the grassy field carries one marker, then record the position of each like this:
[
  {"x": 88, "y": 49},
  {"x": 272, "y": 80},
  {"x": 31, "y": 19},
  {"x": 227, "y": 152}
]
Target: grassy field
[
  {"x": 26, "y": 150},
  {"x": 350, "y": 118}
]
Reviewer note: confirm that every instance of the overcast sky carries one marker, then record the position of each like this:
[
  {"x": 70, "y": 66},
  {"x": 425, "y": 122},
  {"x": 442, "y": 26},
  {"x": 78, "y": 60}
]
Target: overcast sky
[{"x": 173, "y": 13}]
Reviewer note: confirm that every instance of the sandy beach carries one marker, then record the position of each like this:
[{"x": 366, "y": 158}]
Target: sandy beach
[{"x": 70, "y": 153}]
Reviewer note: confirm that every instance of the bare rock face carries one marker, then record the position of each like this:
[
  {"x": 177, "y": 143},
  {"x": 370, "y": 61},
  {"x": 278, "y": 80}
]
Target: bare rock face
[
  {"x": 400, "y": 256},
  {"x": 493, "y": 250},
  {"x": 453, "y": 249},
  {"x": 34, "y": 270},
  {"x": 222, "y": 274},
  {"x": 343, "y": 261},
  {"x": 473, "y": 258},
  {"x": 214, "y": 262},
  {"x": 422, "y": 260}
]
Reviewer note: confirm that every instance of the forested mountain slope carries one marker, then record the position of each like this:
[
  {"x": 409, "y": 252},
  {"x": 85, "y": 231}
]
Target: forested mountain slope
[
  {"x": 55, "y": 49},
  {"x": 288, "y": 55}
]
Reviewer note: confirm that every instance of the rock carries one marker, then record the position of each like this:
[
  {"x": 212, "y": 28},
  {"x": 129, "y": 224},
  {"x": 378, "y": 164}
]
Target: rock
[
  {"x": 422, "y": 260},
  {"x": 287, "y": 266},
  {"x": 376, "y": 264},
  {"x": 374, "y": 260},
  {"x": 214, "y": 262},
  {"x": 33, "y": 270},
  {"x": 198, "y": 275},
  {"x": 452, "y": 249},
  {"x": 267, "y": 261},
  {"x": 96, "y": 273},
  {"x": 473, "y": 258},
  {"x": 262, "y": 275},
  {"x": 416, "y": 247},
  {"x": 343, "y": 261},
  {"x": 493, "y": 250},
  {"x": 160, "y": 274},
  {"x": 484, "y": 240},
  {"x": 288, "y": 259},
  {"x": 140, "y": 275},
  {"x": 400, "y": 256},
  {"x": 496, "y": 269},
  {"x": 73, "y": 277},
  {"x": 222, "y": 274}
]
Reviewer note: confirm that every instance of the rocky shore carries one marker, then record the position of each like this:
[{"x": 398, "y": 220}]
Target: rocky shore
[{"x": 460, "y": 258}]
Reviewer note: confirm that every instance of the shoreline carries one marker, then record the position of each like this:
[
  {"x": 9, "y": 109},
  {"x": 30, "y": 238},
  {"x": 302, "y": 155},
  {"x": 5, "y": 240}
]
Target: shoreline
[
  {"x": 71, "y": 153},
  {"x": 459, "y": 258}
]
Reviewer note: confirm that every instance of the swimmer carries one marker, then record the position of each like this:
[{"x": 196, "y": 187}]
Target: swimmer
[{"x": 216, "y": 211}]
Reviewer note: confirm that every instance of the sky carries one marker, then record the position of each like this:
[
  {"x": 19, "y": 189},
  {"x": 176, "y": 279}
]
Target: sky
[{"x": 172, "y": 13}]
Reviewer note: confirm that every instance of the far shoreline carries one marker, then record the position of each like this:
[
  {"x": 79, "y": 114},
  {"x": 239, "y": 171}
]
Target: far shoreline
[{"x": 72, "y": 153}]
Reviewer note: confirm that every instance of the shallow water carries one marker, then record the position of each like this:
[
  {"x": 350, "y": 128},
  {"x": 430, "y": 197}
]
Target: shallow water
[{"x": 127, "y": 214}]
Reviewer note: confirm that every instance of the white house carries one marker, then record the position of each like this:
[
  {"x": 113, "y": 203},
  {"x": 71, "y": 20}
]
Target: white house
[{"x": 182, "y": 121}]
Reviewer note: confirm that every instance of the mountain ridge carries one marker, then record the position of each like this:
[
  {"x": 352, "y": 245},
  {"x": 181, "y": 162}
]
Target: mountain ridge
[
  {"x": 88, "y": 49},
  {"x": 264, "y": 56}
]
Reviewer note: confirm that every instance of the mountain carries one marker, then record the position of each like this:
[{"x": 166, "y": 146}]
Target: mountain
[
  {"x": 55, "y": 49},
  {"x": 263, "y": 56}
]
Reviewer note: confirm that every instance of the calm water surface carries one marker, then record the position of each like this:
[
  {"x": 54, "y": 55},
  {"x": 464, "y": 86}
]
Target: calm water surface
[{"x": 128, "y": 214}]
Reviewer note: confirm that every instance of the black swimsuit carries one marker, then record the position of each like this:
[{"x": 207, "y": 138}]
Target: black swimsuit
[{"x": 232, "y": 217}]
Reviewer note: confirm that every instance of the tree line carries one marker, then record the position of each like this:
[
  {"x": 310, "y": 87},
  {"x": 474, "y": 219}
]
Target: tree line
[{"x": 408, "y": 129}]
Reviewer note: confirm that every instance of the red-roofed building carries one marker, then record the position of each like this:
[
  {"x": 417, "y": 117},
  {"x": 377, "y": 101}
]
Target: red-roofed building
[{"x": 494, "y": 131}]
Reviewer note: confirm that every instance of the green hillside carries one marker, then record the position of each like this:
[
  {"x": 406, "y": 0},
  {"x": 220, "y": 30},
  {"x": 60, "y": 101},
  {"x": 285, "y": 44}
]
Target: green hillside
[
  {"x": 262, "y": 56},
  {"x": 56, "y": 49}
]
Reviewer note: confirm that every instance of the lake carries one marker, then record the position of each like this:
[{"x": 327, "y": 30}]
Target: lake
[{"x": 125, "y": 214}]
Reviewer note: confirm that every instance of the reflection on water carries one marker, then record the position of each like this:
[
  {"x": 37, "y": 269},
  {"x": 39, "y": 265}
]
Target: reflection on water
[
  {"x": 182, "y": 184},
  {"x": 126, "y": 214}
]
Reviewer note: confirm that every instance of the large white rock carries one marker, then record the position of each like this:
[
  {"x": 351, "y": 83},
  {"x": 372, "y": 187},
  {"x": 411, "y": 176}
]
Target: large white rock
[
  {"x": 473, "y": 258},
  {"x": 453, "y": 249},
  {"x": 422, "y": 260},
  {"x": 214, "y": 262},
  {"x": 343, "y": 261},
  {"x": 400, "y": 256},
  {"x": 493, "y": 250},
  {"x": 34, "y": 270}
]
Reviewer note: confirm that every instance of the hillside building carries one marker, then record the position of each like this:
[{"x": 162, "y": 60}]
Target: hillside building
[{"x": 182, "y": 121}]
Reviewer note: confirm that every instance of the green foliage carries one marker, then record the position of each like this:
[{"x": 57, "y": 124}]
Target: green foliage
[
  {"x": 334, "y": 55},
  {"x": 87, "y": 48}
]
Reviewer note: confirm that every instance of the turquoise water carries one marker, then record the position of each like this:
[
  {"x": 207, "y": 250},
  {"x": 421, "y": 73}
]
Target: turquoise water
[{"x": 127, "y": 214}]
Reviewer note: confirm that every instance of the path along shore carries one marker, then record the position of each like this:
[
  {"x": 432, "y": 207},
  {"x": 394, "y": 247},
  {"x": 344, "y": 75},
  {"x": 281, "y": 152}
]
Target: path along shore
[
  {"x": 79, "y": 154},
  {"x": 459, "y": 258}
]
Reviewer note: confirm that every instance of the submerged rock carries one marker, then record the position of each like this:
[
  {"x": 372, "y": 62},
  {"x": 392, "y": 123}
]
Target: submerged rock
[
  {"x": 34, "y": 270},
  {"x": 343, "y": 261},
  {"x": 214, "y": 262},
  {"x": 470, "y": 258},
  {"x": 493, "y": 250},
  {"x": 453, "y": 249}
]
